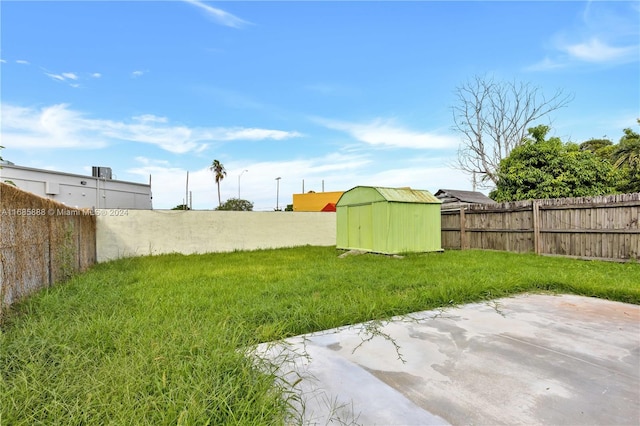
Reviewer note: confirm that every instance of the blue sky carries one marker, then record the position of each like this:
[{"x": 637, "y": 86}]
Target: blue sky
[{"x": 345, "y": 93}]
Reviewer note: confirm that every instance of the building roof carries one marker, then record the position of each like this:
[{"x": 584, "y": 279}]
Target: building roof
[
  {"x": 455, "y": 195},
  {"x": 8, "y": 166},
  {"x": 330, "y": 207},
  {"x": 377, "y": 193},
  {"x": 407, "y": 195}
]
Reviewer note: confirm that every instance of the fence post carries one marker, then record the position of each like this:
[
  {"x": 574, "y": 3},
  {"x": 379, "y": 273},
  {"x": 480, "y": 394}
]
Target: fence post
[
  {"x": 535, "y": 210},
  {"x": 463, "y": 236}
]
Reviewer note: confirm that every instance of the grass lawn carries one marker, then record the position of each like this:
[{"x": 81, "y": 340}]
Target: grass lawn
[{"x": 163, "y": 339}]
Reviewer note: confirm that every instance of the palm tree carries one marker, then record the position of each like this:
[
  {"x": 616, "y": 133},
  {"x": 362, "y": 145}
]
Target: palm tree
[
  {"x": 627, "y": 152},
  {"x": 219, "y": 171}
]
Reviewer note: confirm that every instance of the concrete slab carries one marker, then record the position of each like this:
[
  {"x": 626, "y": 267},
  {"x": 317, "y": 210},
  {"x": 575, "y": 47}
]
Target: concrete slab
[{"x": 530, "y": 359}]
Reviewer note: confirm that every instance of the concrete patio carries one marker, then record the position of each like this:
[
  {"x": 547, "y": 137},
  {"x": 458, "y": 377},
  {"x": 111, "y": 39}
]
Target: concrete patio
[{"x": 529, "y": 359}]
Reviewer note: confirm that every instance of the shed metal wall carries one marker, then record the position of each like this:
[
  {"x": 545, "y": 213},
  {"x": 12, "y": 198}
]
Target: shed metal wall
[
  {"x": 342, "y": 227},
  {"x": 361, "y": 227},
  {"x": 382, "y": 236},
  {"x": 413, "y": 228},
  {"x": 368, "y": 220}
]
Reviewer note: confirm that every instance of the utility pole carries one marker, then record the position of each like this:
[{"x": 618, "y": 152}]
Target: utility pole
[
  {"x": 186, "y": 192},
  {"x": 278, "y": 193}
]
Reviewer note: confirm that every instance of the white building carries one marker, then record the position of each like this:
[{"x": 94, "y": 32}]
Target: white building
[{"x": 98, "y": 191}]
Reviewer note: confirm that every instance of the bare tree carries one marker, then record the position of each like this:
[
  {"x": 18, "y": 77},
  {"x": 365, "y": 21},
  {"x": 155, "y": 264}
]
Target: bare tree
[{"x": 493, "y": 118}]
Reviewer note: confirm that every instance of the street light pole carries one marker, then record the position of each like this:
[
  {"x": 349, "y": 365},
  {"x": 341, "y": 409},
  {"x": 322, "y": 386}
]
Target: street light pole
[
  {"x": 239, "y": 176},
  {"x": 278, "y": 193}
]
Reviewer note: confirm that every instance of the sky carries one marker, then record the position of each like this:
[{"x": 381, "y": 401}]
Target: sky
[{"x": 324, "y": 95}]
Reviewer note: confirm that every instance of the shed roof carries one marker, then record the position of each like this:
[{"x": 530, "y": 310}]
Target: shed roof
[
  {"x": 464, "y": 196},
  {"x": 402, "y": 195}
]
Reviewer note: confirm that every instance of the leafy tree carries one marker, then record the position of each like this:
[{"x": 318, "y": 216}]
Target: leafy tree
[
  {"x": 181, "y": 207},
  {"x": 493, "y": 118},
  {"x": 603, "y": 148},
  {"x": 219, "y": 173},
  {"x": 236, "y": 204},
  {"x": 549, "y": 168},
  {"x": 626, "y": 159}
]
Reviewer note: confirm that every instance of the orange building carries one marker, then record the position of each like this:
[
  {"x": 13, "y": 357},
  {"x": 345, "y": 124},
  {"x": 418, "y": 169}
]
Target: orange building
[{"x": 316, "y": 201}]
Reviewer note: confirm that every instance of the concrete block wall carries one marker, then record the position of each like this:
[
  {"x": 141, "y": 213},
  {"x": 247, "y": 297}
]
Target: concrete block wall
[{"x": 125, "y": 233}]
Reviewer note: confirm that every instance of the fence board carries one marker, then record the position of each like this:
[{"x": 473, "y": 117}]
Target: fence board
[{"x": 604, "y": 227}]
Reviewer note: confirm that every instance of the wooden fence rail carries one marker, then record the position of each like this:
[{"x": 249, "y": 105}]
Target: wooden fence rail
[{"x": 604, "y": 227}]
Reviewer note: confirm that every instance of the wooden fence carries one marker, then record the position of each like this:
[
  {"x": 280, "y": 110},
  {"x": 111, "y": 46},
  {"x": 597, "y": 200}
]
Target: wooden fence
[{"x": 604, "y": 227}]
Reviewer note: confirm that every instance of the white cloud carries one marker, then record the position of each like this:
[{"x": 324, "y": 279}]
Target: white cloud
[
  {"x": 258, "y": 185},
  {"x": 65, "y": 76},
  {"x": 55, "y": 76},
  {"x": 331, "y": 172},
  {"x": 167, "y": 182},
  {"x": 256, "y": 134},
  {"x": 3, "y": 61},
  {"x": 175, "y": 139},
  {"x": 594, "y": 50},
  {"x": 150, "y": 118},
  {"x": 421, "y": 177},
  {"x": 55, "y": 126},
  {"x": 607, "y": 34},
  {"x": 182, "y": 139},
  {"x": 381, "y": 132},
  {"x": 96, "y": 75},
  {"x": 22, "y": 62},
  {"x": 219, "y": 15},
  {"x": 58, "y": 126},
  {"x": 152, "y": 162},
  {"x": 137, "y": 73}
]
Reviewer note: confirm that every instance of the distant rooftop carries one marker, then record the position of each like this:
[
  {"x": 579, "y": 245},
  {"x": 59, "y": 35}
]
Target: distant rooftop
[{"x": 458, "y": 196}]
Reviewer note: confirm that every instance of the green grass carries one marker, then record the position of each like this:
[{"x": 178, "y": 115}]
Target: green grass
[{"x": 163, "y": 340}]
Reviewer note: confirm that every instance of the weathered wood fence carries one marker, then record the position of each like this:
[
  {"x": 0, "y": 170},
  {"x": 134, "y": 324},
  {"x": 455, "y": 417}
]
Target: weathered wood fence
[{"x": 604, "y": 227}]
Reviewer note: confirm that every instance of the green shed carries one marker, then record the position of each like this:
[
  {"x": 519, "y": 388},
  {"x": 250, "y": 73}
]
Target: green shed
[{"x": 388, "y": 220}]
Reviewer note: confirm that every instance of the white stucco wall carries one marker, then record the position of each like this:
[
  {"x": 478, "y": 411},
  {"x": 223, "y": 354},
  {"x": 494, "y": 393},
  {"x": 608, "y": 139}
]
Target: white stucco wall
[{"x": 124, "y": 233}]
